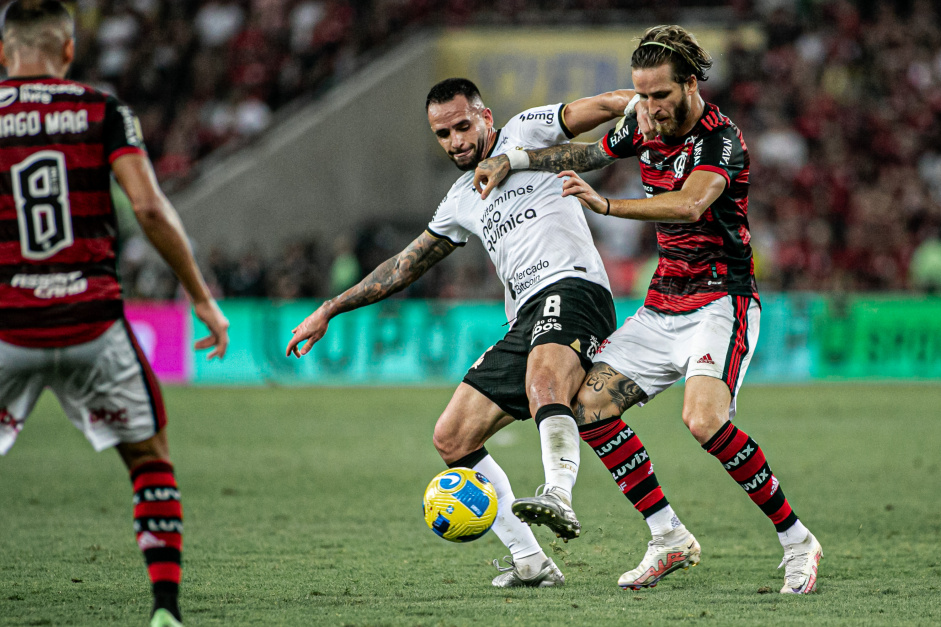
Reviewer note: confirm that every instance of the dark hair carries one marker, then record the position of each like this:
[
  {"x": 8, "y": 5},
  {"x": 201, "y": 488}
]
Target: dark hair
[
  {"x": 448, "y": 89},
  {"x": 676, "y": 45},
  {"x": 27, "y": 13}
]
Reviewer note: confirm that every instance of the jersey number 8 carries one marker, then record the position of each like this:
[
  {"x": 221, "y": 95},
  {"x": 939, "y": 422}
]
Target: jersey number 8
[{"x": 41, "y": 190}]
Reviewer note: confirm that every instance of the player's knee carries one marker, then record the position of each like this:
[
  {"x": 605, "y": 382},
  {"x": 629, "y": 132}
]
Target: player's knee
[
  {"x": 701, "y": 424},
  {"x": 591, "y": 405}
]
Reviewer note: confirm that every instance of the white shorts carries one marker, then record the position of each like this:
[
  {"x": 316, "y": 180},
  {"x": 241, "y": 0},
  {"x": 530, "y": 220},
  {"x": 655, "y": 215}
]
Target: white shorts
[
  {"x": 105, "y": 386},
  {"x": 655, "y": 350}
]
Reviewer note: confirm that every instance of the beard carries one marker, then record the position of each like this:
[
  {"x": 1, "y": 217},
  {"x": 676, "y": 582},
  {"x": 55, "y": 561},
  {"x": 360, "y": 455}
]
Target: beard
[
  {"x": 470, "y": 162},
  {"x": 669, "y": 127}
]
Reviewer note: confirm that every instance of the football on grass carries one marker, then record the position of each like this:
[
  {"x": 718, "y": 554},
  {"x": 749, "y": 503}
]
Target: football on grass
[{"x": 460, "y": 504}]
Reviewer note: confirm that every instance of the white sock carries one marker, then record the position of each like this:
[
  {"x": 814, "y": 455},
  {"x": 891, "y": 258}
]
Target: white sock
[
  {"x": 514, "y": 533},
  {"x": 795, "y": 534},
  {"x": 663, "y": 522},
  {"x": 560, "y": 451}
]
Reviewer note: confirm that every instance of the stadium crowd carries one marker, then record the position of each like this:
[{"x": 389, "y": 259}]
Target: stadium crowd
[{"x": 841, "y": 109}]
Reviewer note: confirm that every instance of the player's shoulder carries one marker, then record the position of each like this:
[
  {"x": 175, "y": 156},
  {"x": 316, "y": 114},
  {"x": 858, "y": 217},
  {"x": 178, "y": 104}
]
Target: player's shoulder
[
  {"x": 544, "y": 116},
  {"x": 713, "y": 121}
]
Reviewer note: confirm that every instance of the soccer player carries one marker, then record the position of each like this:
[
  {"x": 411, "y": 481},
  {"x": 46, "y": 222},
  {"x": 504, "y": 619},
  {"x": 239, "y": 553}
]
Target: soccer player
[
  {"x": 62, "y": 319},
  {"x": 700, "y": 318},
  {"x": 557, "y": 296}
]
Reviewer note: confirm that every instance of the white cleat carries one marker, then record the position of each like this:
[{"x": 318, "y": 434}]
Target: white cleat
[
  {"x": 672, "y": 551},
  {"x": 551, "y": 508},
  {"x": 548, "y": 576},
  {"x": 800, "y": 566}
]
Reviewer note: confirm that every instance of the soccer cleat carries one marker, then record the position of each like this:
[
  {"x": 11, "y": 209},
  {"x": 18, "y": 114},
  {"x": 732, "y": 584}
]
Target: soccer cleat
[
  {"x": 548, "y": 576},
  {"x": 800, "y": 566},
  {"x": 666, "y": 553},
  {"x": 163, "y": 618},
  {"x": 551, "y": 508}
]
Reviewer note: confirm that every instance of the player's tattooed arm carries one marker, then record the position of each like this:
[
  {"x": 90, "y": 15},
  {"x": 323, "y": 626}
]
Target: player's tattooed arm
[
  {"x": 577, "y": 157},
  {"x": 393, "y": 275},
  {"x": 606, "y": 393}
]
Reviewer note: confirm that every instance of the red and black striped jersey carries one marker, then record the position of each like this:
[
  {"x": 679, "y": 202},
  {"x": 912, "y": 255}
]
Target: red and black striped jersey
[
  {"x": 711, "y": 258},
  {"x": 58, "y": 278}
]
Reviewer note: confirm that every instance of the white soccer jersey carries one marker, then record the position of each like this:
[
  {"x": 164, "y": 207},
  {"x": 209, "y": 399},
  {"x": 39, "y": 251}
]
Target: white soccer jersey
[{"x": 535, "y": 237}]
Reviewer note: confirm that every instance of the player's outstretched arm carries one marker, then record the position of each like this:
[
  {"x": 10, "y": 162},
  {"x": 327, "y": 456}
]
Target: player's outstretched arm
[
  {"x": 687, "y": 204},
  {"x": 393, "y": 275},
  {"x": 161, "y": 224},
  {"x": 580, "y": 116}
]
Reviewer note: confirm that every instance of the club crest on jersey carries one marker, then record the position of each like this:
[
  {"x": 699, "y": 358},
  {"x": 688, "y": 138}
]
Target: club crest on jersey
[
  {"x": 8, "y": 96},
  {"x": 679, "y": 166}
]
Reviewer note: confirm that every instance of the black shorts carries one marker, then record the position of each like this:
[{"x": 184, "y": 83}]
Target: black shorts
[{"x": 570, "y": 312}]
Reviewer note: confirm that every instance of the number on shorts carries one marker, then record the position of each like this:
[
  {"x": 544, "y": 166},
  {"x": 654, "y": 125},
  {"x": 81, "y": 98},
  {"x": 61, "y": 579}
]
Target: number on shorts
[
  {"x": 41, "y": 190},
  {"x": 553, "y": 306}
]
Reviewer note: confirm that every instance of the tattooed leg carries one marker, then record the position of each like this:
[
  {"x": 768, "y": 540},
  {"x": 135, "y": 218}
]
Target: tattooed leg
[{"x": 606, "y": 393}]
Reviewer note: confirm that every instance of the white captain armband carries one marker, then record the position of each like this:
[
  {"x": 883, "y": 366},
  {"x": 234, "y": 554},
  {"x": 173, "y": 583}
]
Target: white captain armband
[{"x": 519, "y": 159}]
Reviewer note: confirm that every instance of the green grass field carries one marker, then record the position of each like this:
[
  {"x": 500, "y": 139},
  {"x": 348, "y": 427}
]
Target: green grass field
[{"x": 303, "y": 507}]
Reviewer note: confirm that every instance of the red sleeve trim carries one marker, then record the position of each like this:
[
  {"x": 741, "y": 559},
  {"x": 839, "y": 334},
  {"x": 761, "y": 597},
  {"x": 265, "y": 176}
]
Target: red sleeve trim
[
  {"x": 717, "y": 170},
  {"x": 604, "y": 144},
  {"x": 126, "y": 150}
]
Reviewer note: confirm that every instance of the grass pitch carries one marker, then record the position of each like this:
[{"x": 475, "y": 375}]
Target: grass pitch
[{"x": 303, "y": 507}]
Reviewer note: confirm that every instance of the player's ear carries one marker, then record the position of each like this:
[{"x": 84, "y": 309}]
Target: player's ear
[
  {"x": 692, "y": 84},
  {"x": 68, "y": 51},
  {"x": 488, "y": 117},
  {"x": 3, "y": 55}
]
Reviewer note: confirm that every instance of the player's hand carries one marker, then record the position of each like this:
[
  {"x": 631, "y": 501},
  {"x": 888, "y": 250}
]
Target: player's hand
[
  {"x": 209, "y": 314},
  {"x": 312, "y": 329},
  {"x": 490, "y": 173},
  {"x": 644, "y": 121},
  {"x": 575, "y": 186}
]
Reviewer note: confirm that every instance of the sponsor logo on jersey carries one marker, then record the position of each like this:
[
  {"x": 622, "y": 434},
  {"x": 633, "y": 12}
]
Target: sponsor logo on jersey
[
  {"x": 726, "y": 151},
  {"x": 697, "y": 152},
  {"x": 645, "y": 157},
  {"x": 621, "y": 131},
  {"x": 8, "y": 96},
  {"x": 547, "y": 116},
  {"x": 132, "y": 129},
  {"x": 707, "y": 359},
  {"x": 508, "y": 195},
  {"x": 55, "y": 285},
  {"x": 43, "y": 93},
  {"x": 602, "y": 347},
  {"x": 500, "y": 224},
  {"x": 544, "y": 326}
]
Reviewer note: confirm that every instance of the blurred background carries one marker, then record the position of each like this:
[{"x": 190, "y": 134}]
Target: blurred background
[{"x": 291, "y": 136}]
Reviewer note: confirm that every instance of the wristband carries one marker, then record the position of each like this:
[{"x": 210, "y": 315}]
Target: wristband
[
  {"x": 607, "y": 210},
  {"x": 519, "y": 159},
  {"x": 629, "y": 109}
]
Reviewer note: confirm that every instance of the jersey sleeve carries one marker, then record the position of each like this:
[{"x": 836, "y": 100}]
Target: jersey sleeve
[
  {"x": 444, "y": 224},
  {"x": 122, "y": 131},
  {"x": 619, "y": 142},
  {"x": 721, "y": 152},
  {"x": 540, "y": 127}
]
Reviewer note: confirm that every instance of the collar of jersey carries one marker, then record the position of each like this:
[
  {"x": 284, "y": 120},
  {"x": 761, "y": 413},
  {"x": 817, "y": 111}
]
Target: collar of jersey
[
  {"x": 40, "y": 77},
  {"x": 496, "y": 140}
]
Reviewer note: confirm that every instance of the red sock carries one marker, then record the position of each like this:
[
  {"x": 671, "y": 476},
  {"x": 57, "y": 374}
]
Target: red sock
[
  {"x": 158, "y": 523},
  {"x": 622, "y": 453},
  {"x": 744, "y": 460}
]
